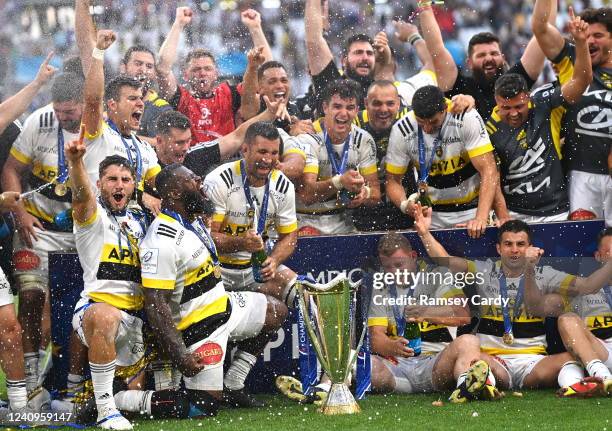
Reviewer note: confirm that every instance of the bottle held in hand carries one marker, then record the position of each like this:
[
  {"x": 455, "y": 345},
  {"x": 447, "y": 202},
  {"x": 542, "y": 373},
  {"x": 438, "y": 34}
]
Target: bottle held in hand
[{"x": 413, "y": 334}]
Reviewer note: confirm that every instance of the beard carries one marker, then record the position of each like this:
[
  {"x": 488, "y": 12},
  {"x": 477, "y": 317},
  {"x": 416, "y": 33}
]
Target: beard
[
  {"x": 484, "y": 81},
  {"x": 71, "y": 125},
  {"x": 197, "y": 203},
  {"x": 364, "y": 81}
]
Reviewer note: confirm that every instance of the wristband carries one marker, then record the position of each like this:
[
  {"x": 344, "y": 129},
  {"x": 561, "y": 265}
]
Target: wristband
[
  {"x": 368, "y": 192},
  {"x": 404, "y": 205},
  {"x": 336, "y": 182},
  {"x": 414, "y": 38},
  {"x": 98, "y": 54}
]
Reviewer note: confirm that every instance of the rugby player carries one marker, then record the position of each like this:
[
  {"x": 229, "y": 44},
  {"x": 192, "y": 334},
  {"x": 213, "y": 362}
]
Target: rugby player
[
  {"x": 455, "y": 162},
  {"x": 526, "y": 134}
]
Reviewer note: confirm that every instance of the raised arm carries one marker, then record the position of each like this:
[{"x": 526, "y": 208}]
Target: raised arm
[
  {"x": 167, "y": 53},
  {"x": 93, "y": 90},
  {"x": 582, "y": 75},
  {"x": 384, "y": 67},
  {"x": 318, "y": 53},
  {"x": 83, "y": 198},
  {"x": 17, "y": 104},
  {"x": 252, "y": 20},
  {"x": 445, "y": 67},
  {"x": 533, "y": 57},
  {"x": 435, "y": 250},
  {"x": 249, "y": 105},
  {"x": 407, "y": 32},
  {"x": 85, "y": 32},
  {"x": 548, "y": 36}
]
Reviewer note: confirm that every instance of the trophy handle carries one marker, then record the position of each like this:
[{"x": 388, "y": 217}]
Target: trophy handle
[
  {"x": 311, "y": 331},
  {"x": 354, "y": 355}
]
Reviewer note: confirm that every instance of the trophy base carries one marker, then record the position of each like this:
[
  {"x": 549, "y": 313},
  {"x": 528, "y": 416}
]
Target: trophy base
[{"x": 340, "y": 401}]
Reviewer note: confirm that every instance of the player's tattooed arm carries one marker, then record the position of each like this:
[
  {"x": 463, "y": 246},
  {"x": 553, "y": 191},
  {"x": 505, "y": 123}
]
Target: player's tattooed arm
[{"x": 168, "y": 337}]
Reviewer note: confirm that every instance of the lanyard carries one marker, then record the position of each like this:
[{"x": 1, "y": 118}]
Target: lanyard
[
  {"x": 425, "y": 168},
  {"x": 518, "y": 301},
  {"x": 206, "y": 239},
  {"x": 261, "y": 219},
  {"x": 62, "y": 168},
  {"x": 128, "y": 150},
  {"x": 331, "y": 154}
]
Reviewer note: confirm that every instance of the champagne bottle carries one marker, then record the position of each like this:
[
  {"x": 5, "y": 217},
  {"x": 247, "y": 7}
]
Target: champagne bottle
[
  {"x": 257, "y": 259},
  {"x": 424, "y": 198},
  {"x": 413, "y": 334},
  {"x": 345, "y": 197}
]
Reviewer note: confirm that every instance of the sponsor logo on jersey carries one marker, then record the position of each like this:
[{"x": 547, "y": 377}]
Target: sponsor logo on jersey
[
  {"x": 148, "y": 264},
  {"x": 209, "y": 353},
  {"x": 25, "y": 260}
]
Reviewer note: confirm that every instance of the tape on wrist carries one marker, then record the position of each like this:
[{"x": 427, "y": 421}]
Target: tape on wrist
[
  {"x": 414, "y": 38},
  {"x": 98, "y": 54},
  {"x": 404, "y": 205},
  {"x": 368, "y": 192},
  {"x": 336, "y": 182}
]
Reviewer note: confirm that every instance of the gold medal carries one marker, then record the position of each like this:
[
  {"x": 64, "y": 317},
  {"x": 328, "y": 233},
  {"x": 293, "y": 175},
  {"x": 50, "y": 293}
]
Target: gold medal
[
  {"x": 61, "y": 189},
  {"x": 217, "y": 271},
  {"x": 422, "y": 187},
  {"x": 508, "y": 338}
]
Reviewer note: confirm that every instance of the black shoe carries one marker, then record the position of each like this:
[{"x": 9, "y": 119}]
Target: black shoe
[{"x": 241, "y": 398}]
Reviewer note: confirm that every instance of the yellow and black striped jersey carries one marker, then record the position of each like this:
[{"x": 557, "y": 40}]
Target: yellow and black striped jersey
[
  {"x": 528, "y": 330},
  {"x": 37, "y": 147},
  {"x": 453, "y": 181},
  {"x": 107, "y": 245},
  {"x": 225, "y": 189},
  {"x": 174, "y": 258}
]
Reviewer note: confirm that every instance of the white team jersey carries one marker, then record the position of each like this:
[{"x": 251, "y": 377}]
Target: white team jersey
[
  {"x": 434, "y": 338},
  {"x": 361, "y": 154},
  {"x": 408, "y": 87},
  {"x": 528, "y": 330},
  {"x": 174, "y": 258},
  {"x": 453, "y": 180},
  {"x": 596, "y": 312},
  {"x": 293, "y": 145},
  {"x": 108, "y": 143},
  {"x": 107, "y": 245},
  {"x": 37, "y": 146},
  {"x": 225, "y": 188}
]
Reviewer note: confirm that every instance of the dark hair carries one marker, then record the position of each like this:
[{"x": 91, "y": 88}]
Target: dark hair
[
  {"x": 514, "y": 226},
  {"x": 345, "y": 88},
  {"x": 163, "y": 180},
  {"x": 73, "y": 65},
  {"x": 391, "y": 242},
  {"x": 601, "y": 235},
  {"x": 602, "y": 15},
  {"x": 67, "y": 87},
  {"x": 480, "y": 38},
  {"x": 198, "y": 53},
  {"x": 171, "y": 120},
  {"x": 510, "y": 85},
  {"x": 272, "y": 64},
  {"x": 136, "y": 48},
  {"x": 113, "y": 88},
  {"x": 265, "y": 129},
  {"x": 359, "y": 37},
  {"x": 428, "y": 101},
  {"x": 115, "y": 160}
]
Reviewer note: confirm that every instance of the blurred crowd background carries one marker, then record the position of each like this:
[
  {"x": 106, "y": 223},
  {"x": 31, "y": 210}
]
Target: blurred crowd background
[{"x": 31, "y": 28}]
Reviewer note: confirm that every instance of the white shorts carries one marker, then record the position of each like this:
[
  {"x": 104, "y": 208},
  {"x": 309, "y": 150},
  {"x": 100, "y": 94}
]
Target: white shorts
[
  {"x": 608, "y": 345},
  {"x": 448, "y": 220},
  {"x": 6, "y": 295},
  {"x": 129, "y": 343},
  {"x": 247, "y": 319},
  {"x": 242, "y": 279},
  {"x": 539, "y": 219},
  {"x": 518, "y": 367},
  {"x": 328, "y": 224},
  {"x": 591, "y": 192},
  {"x": 413, "y": 375},
  {"x": 35, "y": 260}
]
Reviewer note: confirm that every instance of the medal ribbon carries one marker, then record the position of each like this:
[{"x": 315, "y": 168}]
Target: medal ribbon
[
  {"x": 206, "y": 239},
  {"x": 62, "y": 167},
  {"x": 425, "y": 168},
  {"x": 128, "y": 151},
  {"x": 331, "y": 154},
  {"x": 261, "y": 218},
  {"x": 518, "y": 301}
]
